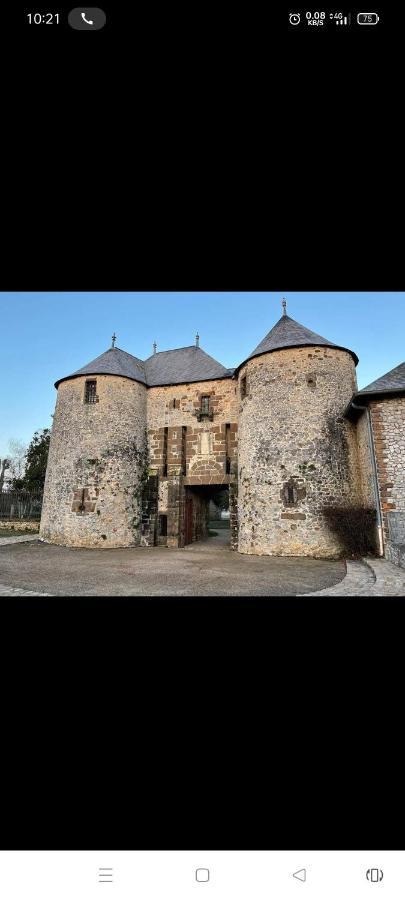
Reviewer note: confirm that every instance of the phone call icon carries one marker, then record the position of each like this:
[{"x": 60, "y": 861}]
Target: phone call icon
[{"x": 88, "y": 18}]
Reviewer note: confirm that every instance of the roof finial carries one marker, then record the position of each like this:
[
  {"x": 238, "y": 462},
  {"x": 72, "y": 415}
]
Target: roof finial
[
  {"x": 197, "y": 340},
  {"x": 154, "y": 346},
  {"x": 284, "y": 305},
  {"x": 114, "y": 338}
]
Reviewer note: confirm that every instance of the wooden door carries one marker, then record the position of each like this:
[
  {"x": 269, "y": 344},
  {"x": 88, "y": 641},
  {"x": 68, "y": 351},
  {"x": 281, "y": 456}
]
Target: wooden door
[{"x": 188, "y": 525}]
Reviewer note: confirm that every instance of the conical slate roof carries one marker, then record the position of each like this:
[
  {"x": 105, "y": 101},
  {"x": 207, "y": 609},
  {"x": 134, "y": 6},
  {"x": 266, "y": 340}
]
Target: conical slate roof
[
  {"x": 289, "y": 333},
  {"x": 113, "y": 362},
  {"x": 167, "y": 367},
  {"x": 390, "y": 383}
]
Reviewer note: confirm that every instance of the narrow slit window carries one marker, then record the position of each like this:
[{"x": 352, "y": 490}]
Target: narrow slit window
[
  {"x": 243, "y": 387},
  {"x": 184, "y": 449},
  {"x": 165, "y": 439},
  {"x": 227, "y": 448},
  {"x": 90, "y": 395}
]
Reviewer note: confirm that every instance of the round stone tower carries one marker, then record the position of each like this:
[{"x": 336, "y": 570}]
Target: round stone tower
[
  {"x": 297, "y": 451},
  {"x": 97, "y": 455}
]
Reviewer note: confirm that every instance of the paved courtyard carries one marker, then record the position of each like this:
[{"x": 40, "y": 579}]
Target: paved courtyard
[{"x": 207, "y": 568}]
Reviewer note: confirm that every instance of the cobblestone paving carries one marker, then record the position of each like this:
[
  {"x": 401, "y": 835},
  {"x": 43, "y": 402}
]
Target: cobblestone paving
[
  {"x": 18, "y": 540},
  {"x": 368, "y": 577},
  {"x": 18, "y": 592}
]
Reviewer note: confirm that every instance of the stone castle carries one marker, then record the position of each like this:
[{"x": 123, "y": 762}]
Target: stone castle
[{"x": 138, "y": 449}]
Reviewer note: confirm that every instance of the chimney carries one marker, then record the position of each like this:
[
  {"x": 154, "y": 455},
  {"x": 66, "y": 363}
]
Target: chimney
[
  {"x": 154, "y": 346},
  {"x": 197, "y": 340}
]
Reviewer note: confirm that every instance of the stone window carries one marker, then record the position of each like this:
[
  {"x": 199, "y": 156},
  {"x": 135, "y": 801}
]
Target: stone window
[
  {"x": 243, "y": 388},
  {"x": 184, "y": 448},
  {"x": 311, "y": 381},
  {"x": 90, "y": 395},
  {"x": 227, "y": 448},
  {"x": 204, "y": 411},
  {"x": 205, "y": 405},
  {"x": 175, "y": 403},
  {"x": 292, "y": 493},
  {"x": 81, "y": 501},
  {"x": 162, "y": 526},
  {"x": 164, "y": 452}
]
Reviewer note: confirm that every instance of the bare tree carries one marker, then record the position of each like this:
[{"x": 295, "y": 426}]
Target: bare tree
[
  {"x": 5, "y": 464},
  {"x": 17, "y": 460}
]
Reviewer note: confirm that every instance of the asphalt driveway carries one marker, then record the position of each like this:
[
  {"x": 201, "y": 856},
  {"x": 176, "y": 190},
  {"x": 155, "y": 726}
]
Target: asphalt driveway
[{"x": 206, "y": 568}]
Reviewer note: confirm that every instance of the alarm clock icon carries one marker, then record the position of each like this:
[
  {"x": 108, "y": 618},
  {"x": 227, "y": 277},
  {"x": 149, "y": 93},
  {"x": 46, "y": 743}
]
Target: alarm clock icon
[{"x": 295, "y": 18}]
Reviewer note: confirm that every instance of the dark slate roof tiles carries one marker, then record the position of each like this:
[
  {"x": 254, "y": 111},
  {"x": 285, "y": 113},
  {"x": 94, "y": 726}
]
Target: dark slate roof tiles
[
  {"x": 181, "y": 366},
  {"x": 187, "y": 364},
  {"x": 190, "y": 364},
  {"x": 113, "y": 362},
  {"x": 391, "y": 382},
  {"x": 289, "y": 333}
]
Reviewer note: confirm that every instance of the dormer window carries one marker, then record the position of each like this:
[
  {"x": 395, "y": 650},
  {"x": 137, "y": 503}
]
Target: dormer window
[{"x": 90, "y": 395}]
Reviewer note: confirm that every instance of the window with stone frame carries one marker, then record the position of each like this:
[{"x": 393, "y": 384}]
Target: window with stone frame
[
  {"x": 205, "y": 405},
  {"x": 243, "y": 387},
  {"x": 164, "y": 450},
  {"x": 227, "y": 448},
  {"x": 90, "y": 391},
  {"x": 292, "y": 492},
  {"x": 184, "y": 448}
]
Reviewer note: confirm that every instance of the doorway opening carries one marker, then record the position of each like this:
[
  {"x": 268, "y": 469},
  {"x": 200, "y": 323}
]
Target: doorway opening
[{"x": 206, "y": 514}]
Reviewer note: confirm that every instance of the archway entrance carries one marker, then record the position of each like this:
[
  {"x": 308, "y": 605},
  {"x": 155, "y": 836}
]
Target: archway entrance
[{"x": 206, "y": 510}]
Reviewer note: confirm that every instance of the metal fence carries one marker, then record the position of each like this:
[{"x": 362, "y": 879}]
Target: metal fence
[{"x": 20, "y": 505}]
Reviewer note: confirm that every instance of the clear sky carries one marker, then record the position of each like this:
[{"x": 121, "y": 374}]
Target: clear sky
[{"x": 46, "y": 336}]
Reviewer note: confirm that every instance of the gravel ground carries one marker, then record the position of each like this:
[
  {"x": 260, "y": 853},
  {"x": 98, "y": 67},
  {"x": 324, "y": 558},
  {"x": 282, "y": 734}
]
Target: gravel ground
[{"x": 207, "y": 568}]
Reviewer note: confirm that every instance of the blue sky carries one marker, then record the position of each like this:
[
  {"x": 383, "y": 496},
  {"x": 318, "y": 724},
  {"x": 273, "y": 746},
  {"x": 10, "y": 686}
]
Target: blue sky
[{"x": 48, "y": 335}]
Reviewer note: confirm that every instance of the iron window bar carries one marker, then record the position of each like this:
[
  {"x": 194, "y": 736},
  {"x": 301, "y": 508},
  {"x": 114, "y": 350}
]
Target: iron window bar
[
  {"x": 90, "y": 395},
  {"x": 205, "y": 411}
]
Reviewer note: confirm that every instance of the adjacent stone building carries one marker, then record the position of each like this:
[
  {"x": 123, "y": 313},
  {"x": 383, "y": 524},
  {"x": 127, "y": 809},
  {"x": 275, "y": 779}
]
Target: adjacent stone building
[
  {"x": 379, "y": 411},
  {"x": 139, "y": 448}
]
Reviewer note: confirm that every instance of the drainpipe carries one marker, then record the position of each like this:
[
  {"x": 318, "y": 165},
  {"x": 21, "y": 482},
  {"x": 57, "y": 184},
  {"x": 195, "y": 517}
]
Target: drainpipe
[{"x": 375, "y": 476}]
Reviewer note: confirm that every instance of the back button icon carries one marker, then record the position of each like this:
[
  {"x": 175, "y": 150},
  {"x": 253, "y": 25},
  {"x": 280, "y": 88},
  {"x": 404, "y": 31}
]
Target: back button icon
[{"x": 301, "y": 874}]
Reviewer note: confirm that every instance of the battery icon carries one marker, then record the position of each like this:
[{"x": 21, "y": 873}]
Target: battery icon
[{"x": 367, "y": 18}]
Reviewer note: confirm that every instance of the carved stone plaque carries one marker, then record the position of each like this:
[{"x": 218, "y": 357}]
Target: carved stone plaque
[{"x": 163, "y": 496}]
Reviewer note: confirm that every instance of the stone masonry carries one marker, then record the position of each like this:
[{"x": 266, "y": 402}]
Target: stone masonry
[
  {"x": 297, "y": 452},
  {"x": 94, "y": 466},
  {"x": 139, "y": 448},
  {"x": 388, "y": 423}
]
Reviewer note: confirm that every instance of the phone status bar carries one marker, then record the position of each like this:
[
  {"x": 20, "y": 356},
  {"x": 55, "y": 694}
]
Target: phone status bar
[{"x": 333, "y": 19}]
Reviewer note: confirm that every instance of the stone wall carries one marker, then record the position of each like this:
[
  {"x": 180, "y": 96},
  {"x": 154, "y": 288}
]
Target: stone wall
[
  {"x": 19, "y": 525},
  {"x": 190, "y": 447},
  {"x": 365, "y": 462},
  {"x": 366, "y": 474},
  {"x": 97, "y": 455},
  {"x": 388, "y": 423},
  {"x": 297, "y": 453},
  {"x": 185, "y": 452}
]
